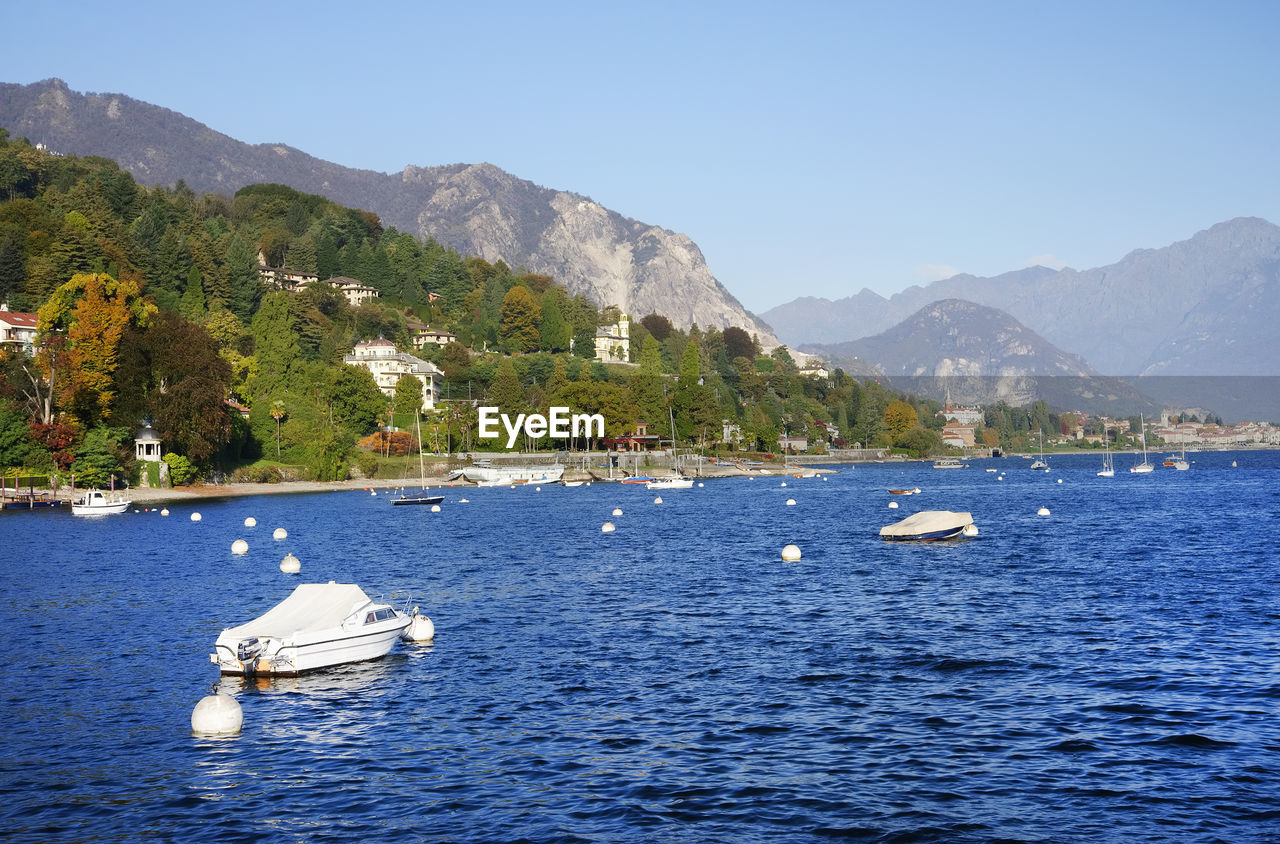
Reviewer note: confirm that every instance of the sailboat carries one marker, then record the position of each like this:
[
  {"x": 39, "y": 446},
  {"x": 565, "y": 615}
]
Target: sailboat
[
  {"x": 1181, "y": 463},
  {"x": 1143, "y": 467},
  {"x": 421, "y": 497},
  {"x": 1108, "y": 468},
  {"x": 676, "y": 481},
  {"x": 1040, "y": 465}
]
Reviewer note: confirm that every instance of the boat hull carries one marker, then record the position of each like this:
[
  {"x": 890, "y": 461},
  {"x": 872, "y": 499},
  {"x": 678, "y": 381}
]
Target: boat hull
[
  {"x": 418, "y": 499},
  {"x": 310, "y": 652}
]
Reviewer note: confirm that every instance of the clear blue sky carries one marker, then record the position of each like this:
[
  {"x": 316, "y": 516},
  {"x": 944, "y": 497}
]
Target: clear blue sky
[{"x": 808, "y": 148}]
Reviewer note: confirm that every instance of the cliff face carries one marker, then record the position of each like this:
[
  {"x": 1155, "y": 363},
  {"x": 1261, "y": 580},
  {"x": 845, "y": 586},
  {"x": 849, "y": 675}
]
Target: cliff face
[{"x": 477, "y": 209}]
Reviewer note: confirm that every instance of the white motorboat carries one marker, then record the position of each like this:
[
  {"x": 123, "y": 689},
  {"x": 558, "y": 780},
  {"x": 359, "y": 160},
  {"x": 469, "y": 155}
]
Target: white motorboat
[
  {"x": 95, "y": 502},
  {"x": 489, "y": 475},
  {"x": 318, "y": 625},
  {"x": 949, "y": 463},
  {"x": 929, "y": 526},
  {"x": 670, "y": 483}
]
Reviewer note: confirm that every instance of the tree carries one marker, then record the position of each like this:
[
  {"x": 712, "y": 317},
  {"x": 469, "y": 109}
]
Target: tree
[
  {"x": 15, "y": 437},
  {"x": 505, "y": 391},
  {"x": 519, "y": 330},
  {"x": 243, "y": 278},
  {"x": 555, "y": 329},
  {"x": 739, "y": 344},
  {"x": 97, "y": 462},
  {"x": 278, "y": 413},
  {"x": 657, "y": 325},
  {"x": 192, "y": 304},
  {"x": 687, "y": 389},
  {"x": 900, "y": 417},
  {"x": 408, "y": 397},
  {"x": 646, "y": 384},
  {"x": 355, "y": 402},
  {"x": 275, "y": 345}
]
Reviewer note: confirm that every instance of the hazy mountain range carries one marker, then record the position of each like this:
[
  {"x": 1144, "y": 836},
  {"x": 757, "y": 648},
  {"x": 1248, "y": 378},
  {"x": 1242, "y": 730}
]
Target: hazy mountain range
[
  {"x": 1204, "y": 306},
  {"x": 477, "y": 209}
]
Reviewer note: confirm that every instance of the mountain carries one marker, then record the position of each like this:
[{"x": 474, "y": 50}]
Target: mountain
[
  {"x": 1203, "y": 306},
  {"x": 477, "y": 209},
  {"x": 977, "y": 354}
]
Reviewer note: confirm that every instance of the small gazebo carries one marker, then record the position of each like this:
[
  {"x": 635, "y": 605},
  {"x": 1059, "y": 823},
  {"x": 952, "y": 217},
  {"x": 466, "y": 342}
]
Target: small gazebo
[{"x": 146, "y": 443}]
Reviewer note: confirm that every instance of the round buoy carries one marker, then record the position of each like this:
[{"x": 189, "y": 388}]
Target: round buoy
[
  {"x": 784, "y": 483},
  {"x": 195, "y": 517},
  {"x": 1001, "y": 478},
  {"x": 280, "y": 533},
  {"x": 893, "y": 505},
  {"x": 239, "y": 547},
  {"x": 420, "y": 629},
  {"x": 607, "y": 527},
  {"x": 373, "y": 492},
  {"x": 251, "y": 522},
  {"x": 1043, "y": 511},
  {"x": 1059, "y": 480},
  {"x": 537, "y": 489},
  {"x": 464, "y": 501},
  {"x": 617, "y": 511},
  {"x": 791, "y": 552},
  {"x": 164, "y": 512},
  {"x": 290, "y": 564},
  {"x": 791, "y": 502},
  {"x": 699, "y": 484},
  {"x": 658, "y": 500},
  {"x": 217, "y": 715},
  {"x": 916, "y": 490},
  {"x": 970, "y": 530},
  {"x": 435, "y": 508}
]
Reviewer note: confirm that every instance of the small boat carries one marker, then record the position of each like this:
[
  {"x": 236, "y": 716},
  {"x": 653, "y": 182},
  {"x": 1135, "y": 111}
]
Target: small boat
[
  {"x": 1144, "y": 467},
  {"x": 670, "y": 483},
  {"x": 638, "y": 480},
  {"x": 422, "y": 497},
  {"x": 1108, "y": 467},
  {"x": 483, "y": 474},
  {"x": 95, "y": 502},
  {"x": 1040, "y": 465},
  {"x": 930, "y": 526},
  {"x": 949, "y": 463},
  {"x": 572, "y": 483},
  {"x": 915, "y": 491},
  {"x": 318, "y": 625},
  {"x": 1180, "y": 462}
]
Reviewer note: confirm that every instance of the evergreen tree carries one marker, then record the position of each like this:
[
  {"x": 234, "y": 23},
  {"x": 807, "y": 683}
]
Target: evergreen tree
[
  {"x": 192, "y": 304},
  {"x": 646, "y": 384},
  {"x": 519, "y": 321},
  {"x": 243, "y": 279},
  {"x": 555, "y": 330},
  {"x": 275, "y": 345},
  {"x": 505, "y": 391}
]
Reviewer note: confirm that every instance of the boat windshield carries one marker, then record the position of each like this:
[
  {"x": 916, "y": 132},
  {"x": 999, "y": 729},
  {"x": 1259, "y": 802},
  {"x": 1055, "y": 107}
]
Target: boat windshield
[{"x": 380, "y": 615}]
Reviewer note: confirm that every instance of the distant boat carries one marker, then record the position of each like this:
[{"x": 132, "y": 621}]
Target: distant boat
[
  {"x": 670, "y": 483},
  {"x": 1144, "y": 467},
  {"x": 96, "y": 503},
  {"x": 930, "y": 526},
  {"x": 1040, "y": 465},
  {"x": 949, "y": 463},
  {"x": 489, "y": 475},
  {"x": 1108, "y": 467},
  {"x": 421, "y": 497},
  {"x": 904, "y": 491},
  {"x": 1180, "y": 462}
]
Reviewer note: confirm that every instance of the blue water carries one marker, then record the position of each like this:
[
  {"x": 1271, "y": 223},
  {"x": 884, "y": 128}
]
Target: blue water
[{"x": 1110, "y": 672}]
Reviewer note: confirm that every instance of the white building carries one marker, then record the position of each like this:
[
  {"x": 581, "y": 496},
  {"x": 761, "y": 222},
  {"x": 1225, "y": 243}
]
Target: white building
[
  {"x": 388, "y": 366},
  {"x": 17, "y": 330},
  {"x": 613, "y": 342},
  {"x": 353, "y": 290}
]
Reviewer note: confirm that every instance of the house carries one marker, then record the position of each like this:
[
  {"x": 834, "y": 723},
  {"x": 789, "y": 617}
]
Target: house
[
  {"x": 793, "y": 445},
  {"x": 421, "y": 335},
  {"x": 641, "y": 440},
  {"x": 958, "y": 435},
  {"x": 283, "y": 278},
  {"x": 388, "y": 365},
  {"x": 17, "y": 330},
  {"x": 354, "y": 291},
  {"x": 815, "y": 370},
  {"x": 965, "y": 415},
  {"x": 613, "y": 342}
]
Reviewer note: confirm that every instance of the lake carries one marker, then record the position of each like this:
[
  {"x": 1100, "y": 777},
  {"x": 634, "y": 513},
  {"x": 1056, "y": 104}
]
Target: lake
[{"x": 1107, "y": 672}]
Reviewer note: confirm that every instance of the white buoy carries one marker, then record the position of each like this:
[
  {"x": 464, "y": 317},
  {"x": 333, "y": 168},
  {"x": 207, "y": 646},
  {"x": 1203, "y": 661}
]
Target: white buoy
[
  {"x": 420, "y": 629},
  {"x": 791, "y": 502},
  {"x": 617, "y": 511},
  {"x": 464, "y": 501},
  {"x": 239, "y": 547},
  {"x": 791, "y": 553},
  {"x": 658, "y": 500},
  {"x": 699, "y": 484},
  {"x": 290, "y": 564},
  {"x": 1001, "y": 478},
  {"x": 893, "y": 505},
  {"x": 784, "y": 483},
  {"x": 916, "y": 490},
  {"x": 195, "y": 517},
  {"x": 373, "y": 492},
  {"x": 1043, "y": 511},
  {"x": 970, "y": 530},
  {"x": 217, "y": 715},
  {"x": 607, "y": 527},
  {"x": 280, "y": 533},
  {"x": 251, "y": 522},
  {"x": 537, "y": 489},
  {"x": 164, "y": 512},
  {"x": 435, "y": 508},
  {"x": 1059, "y": 480}
]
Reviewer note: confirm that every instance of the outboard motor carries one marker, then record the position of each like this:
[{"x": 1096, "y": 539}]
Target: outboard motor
[{"x": 247, "y": 651}]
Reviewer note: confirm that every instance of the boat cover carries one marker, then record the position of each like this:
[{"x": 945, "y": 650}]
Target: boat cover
[
  {"x": 309, "y": 608},
  {"x": 926, "y": 522}
]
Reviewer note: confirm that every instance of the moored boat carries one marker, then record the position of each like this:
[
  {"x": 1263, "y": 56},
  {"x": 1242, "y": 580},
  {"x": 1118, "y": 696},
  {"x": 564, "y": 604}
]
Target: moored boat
[
  {"x": 95, "y": 502},
  {"x": 949, "y": 463},
  {"x": 670, "y": 483},
  {"x": 930, "y": 526},
  {"x": 316, "y": 626}
]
